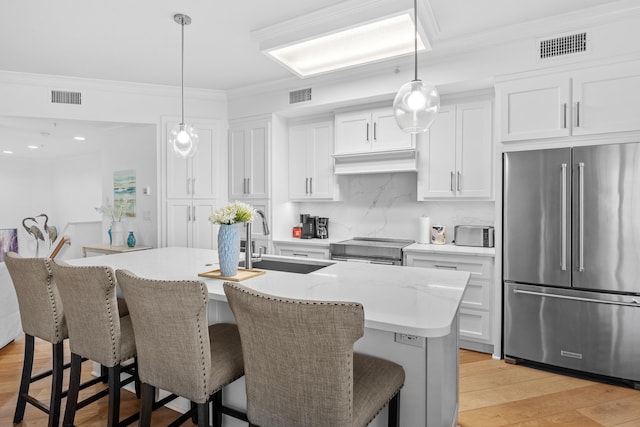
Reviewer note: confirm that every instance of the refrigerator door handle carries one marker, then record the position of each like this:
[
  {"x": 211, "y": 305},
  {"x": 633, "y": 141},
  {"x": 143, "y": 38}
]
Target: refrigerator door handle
[
  {"x": 581, "y": 216},
  {"x": 563, "y": 232},
  {"x": 634, "y": 303}
]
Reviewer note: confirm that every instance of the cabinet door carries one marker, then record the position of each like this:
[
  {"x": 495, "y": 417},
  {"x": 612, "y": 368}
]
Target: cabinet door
[
  {"x": 473, "y": 150},
  {"x": 353, "y": 132},
  {"x": 178, "y": 222},
  {"x": 535, "y": 108},
  {"x": 605, "y": 100},
  {"x": 298, "y": 176},
  {"x": 319, "y": 161},
  {"x": 237, "y": 154},
  {"x": 203, "y": 179},
  {"x": 256, "y": 161},
  {"x": 178, "y": 172},
  {"x": 204, "y": 233},
  {"x": 387, "y": 135},
  {"x": 438, "y": 157}
]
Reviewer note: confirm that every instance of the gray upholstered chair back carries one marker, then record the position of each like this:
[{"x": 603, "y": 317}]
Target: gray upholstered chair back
[
  {"x": 171, "y": 329},
  {"x": 91, "y": 309},
  {"x": 302, "y": 352},
  {"x": 41, "y": 310}
]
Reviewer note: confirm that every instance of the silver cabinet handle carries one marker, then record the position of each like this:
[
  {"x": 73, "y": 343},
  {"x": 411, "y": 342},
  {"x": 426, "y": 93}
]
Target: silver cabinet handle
[
  {"x": 193, "y": 208},
  {"x": 383, "y": 262},
  {"x": 375, "y": 131},
  {"x": 296, "y": 254},
  {"x": 581, "y": 216},
  {"x": 367, "y": 131},
  {"x": 310, "y": 185},
  {"x": 188, "y": 213},
  {"x": 563, "y": 220},
  {"x": 448, "y": 267},
  {"x": 306, "y": 186},
  {"x": 578, "y": 114},
  {"x": 564, "y": 115},
  {"x": 248, "y": 185},
  {"x": 597, "y": 301},
  {"x": 459, "y": 181},
  {"x": 451, "y": 184}
]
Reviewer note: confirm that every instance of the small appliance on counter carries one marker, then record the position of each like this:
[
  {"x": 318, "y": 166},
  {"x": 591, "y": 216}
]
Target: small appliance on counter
[
  {"x": 474, "y": 235},
  {"x": 321, "y": 225},
  {"x": 307, "y": 223}
]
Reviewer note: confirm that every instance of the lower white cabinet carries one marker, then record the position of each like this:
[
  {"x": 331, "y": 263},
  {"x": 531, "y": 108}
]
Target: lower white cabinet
[
  {"x": 301, "y": 250},
  {"x": 188, "y": 224},
  {"x": 476, "y": 309}
]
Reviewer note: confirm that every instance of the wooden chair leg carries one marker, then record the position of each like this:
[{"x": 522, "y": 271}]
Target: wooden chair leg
[
  {"x": 114, "y": 396},
  {"x": 25, "y": 381},
  {"x": 203, "y": 414},
  {"x": 394, "y": 411},
  {"x": 74, "y": 390},
  {"x": 56, "y": 384},
  {"x": 147, "y": 396},
  {"x": 216, "y": 403}
]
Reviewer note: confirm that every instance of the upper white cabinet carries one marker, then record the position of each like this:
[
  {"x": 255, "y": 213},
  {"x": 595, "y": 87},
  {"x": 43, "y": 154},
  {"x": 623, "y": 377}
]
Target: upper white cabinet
[
  {"x": 456, "y": 154},
  {"x": 249, "y": 159},
  {"x": 310, "y": 163},
  {"x": 592, "y": 101},
  {"x": 371, "y": 130},
  {"x": 194, "y": 177}
]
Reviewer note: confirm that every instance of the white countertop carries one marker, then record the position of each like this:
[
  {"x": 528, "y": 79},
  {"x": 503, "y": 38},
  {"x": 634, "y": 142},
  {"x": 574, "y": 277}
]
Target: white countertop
[
  {"x": 450, "y": 249},
  {"x": 411, "y": 300}
]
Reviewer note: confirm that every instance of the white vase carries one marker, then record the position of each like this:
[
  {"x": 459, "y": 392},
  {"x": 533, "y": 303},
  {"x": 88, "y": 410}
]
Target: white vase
[{"x": 117, "y": 233}]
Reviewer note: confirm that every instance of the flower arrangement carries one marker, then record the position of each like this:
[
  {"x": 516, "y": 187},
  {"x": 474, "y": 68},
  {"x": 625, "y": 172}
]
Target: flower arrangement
[
  {"x": 111, "y": 210},
  {"x": 233, "y": 213}
]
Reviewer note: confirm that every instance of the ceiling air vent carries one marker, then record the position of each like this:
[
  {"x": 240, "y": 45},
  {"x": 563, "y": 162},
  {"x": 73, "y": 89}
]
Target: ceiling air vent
[
  {"x": 302, "y": 95},
  {"x": 563, "y": 45},
  {"x": 64, "y": 97}
]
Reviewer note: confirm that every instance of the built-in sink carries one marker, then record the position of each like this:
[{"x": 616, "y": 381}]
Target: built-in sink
[{"x": 289, "y": 266}]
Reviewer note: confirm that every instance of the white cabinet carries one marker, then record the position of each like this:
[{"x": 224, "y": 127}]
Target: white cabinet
[
  {"x": 476, "y": 309},
  {"x": 249, "y": 144},
  {"x": 194, "y": 177},
  {"x": 368, "y": 131},
  {"x": 188, "y": 224},
  {"x": 586, "y": 102},
  {"x": 310, "y": 163},
  {"x": 301, "y": 250},
  {"x": 455, "y": 158}
]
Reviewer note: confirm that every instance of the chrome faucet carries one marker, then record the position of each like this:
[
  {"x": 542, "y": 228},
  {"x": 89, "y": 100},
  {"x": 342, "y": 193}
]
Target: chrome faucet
[{"x": 249, "y": 258}]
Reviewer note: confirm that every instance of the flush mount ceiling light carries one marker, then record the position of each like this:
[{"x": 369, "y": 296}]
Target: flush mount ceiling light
[
  {"x": 79, "y": 138},
  {"x": 417, "y": 103},
  {"x": 183, "y": 138},
  {"x": 348, "y": 34}
]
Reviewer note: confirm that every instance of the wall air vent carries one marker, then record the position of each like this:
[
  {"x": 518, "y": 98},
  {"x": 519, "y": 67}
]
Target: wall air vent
[
  {"x": 564, "y": 45},
  {"x": 65, "y": 97},
  {"x": 302, "y": 95}
]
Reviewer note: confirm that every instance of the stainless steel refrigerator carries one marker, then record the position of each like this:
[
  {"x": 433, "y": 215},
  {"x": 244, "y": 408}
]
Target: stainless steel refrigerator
[{"x": 571, "y": 258}]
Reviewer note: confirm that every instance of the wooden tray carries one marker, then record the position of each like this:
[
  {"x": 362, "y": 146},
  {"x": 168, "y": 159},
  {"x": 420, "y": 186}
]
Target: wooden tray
[{"x": 243, "y": 274}]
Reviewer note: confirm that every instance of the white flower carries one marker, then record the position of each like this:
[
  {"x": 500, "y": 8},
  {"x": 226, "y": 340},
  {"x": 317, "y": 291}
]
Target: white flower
[{"x": 233, "y": 213}]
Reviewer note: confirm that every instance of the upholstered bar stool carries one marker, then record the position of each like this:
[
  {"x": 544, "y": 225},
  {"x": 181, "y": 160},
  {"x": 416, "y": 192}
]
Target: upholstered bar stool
[
  {"x": 300, "y": 367},
  {"x": 42, "y": 316},
  {"x": 96, "y": 332},
  {"x": 177, "y": 350}
]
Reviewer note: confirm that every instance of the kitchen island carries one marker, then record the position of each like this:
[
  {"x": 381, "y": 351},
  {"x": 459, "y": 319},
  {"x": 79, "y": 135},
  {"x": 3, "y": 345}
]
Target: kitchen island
[{"x": 410, "y": 318}]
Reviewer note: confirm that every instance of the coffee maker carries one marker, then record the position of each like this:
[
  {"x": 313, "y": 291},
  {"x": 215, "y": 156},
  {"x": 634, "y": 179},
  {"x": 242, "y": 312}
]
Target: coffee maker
[
  {"x": 308, "y": 223},
  {"x": 321, "y": 227}
]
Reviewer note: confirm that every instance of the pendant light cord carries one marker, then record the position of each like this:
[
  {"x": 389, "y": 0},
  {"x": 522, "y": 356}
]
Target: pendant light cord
[
  {"x": 182, "y": 69},
  {"x": 415, "y": 38}
]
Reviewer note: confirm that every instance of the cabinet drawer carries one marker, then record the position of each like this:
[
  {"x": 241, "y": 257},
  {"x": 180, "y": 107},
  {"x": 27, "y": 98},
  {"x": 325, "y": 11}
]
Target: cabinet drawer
[
  {"x": 302, "y": 252},
  {"x": 475, "y": 325},
  {"x": 479, "y": 267},
  {"x": 477, "y": 295}
]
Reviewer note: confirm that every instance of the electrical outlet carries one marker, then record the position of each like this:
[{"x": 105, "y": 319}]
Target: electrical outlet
[{"x": 407, "y": 339}]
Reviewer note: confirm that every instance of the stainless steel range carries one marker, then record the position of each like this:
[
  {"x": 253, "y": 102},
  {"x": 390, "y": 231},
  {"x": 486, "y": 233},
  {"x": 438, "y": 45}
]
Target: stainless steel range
[{"x": 369, "y": 250}]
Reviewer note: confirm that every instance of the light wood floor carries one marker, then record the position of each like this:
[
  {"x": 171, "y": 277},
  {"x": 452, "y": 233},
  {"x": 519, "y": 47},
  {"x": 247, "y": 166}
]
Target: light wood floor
[{"x": 492, "y": 393}]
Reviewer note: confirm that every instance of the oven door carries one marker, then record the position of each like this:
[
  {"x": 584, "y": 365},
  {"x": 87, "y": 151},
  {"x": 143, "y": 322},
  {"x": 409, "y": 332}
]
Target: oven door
[{"x": 368, "y": 260}]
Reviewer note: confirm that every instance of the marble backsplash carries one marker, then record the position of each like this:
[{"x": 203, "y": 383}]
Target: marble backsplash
[{"x": 385, "y": 205}]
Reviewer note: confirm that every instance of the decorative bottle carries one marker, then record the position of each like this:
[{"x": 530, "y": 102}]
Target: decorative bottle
[{"x": 131, "y": 240}]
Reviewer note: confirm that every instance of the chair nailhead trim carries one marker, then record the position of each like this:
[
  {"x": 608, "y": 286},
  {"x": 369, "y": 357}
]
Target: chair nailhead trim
[{"x": 52, "y": 301}]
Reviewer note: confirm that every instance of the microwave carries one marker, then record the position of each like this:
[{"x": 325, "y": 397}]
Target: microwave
[{"x": 474, "y": 235}]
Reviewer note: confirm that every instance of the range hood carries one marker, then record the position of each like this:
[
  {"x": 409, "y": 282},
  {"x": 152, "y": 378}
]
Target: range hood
[{"x": 376, "y": 162}]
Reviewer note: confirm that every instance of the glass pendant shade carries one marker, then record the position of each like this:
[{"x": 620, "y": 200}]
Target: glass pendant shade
[
  {"x": 183, "y": 139},
  {"x": 416, "y": 106}
]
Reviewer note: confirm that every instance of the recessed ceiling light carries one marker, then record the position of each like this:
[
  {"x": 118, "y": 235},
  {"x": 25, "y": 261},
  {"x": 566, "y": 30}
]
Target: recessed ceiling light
[
  {"x": 371, "y": 42},
  {"x": 33, "y": 147},
  {"x": 7, "y": 152},
  {"x": 79, "y": 138}
]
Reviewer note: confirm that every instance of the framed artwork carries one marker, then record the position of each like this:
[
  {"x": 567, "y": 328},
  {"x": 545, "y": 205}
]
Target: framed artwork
[
  {"x": 124, "y": 191},
  {"x": 8, "y": 241}
]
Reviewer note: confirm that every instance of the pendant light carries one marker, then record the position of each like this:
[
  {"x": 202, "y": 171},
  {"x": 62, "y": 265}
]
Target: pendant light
[
  {"x": 417, "y": 103},
  {"x": 183, "y": 138}
]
